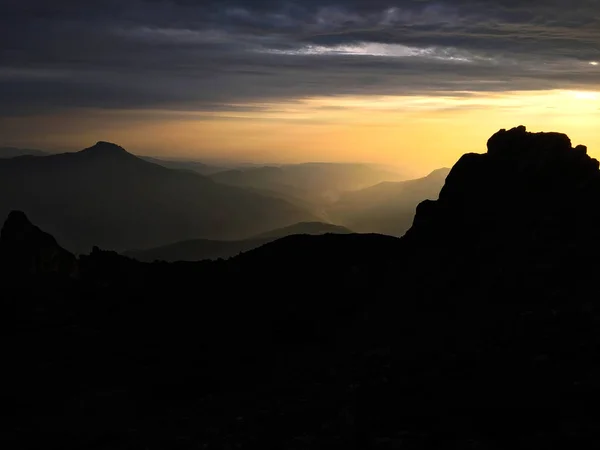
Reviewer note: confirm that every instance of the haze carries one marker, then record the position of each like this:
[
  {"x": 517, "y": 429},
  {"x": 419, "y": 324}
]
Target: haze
[{"x": 397, "y": 83}]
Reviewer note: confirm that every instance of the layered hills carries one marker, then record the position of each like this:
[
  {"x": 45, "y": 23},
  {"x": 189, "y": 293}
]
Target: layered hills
[
  {"x": 13, "y": 152},
  {"x": 388, "y": 207},
  {"x": 108, "y": 197},
  {"x": 314, "y": 183},
  {"x": 179, "y": 164},
  {"x": 200, "y": 249},
  {"x": 477, "y": 329}
]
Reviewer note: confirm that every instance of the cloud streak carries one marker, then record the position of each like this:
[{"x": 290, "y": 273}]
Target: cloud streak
[{"x": 204, "y": 55}]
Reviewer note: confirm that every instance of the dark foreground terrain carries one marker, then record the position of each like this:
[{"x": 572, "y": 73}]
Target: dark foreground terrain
[{"x": 479, "y": 329}]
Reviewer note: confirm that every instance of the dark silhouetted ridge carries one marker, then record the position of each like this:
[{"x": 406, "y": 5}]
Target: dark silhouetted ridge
[
  {"x": 305, "y": 228},
  {"x": 106, "y": 149},
  {"x": 25, "y": 249},
  {"x": 201, "y": 249}
]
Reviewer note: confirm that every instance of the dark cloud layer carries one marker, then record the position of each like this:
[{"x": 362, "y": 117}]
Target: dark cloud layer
[{"x": 206, "y": 54}]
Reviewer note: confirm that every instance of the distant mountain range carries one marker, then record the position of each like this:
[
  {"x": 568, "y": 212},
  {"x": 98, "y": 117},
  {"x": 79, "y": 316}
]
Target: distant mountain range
[
  {"x": 201, "y": 249},
  {"x": 314, "y": 183},
  {"x": 13, "y": 152},
  {"x": 386, "y": 208},
  {"x": 180, "y": 164},
  {"x": 361, "y": 197},
  {"x": 108, "y": 197}
]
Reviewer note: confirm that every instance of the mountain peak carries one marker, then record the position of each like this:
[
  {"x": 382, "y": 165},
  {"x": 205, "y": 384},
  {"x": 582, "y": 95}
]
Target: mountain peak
[
  {"x": 519, "y": 143},
  {"x": 105, "y": 148}
]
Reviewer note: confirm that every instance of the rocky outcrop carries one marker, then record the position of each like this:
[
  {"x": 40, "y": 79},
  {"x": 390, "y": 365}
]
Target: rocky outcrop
[
  {"x": 525, "y": 181},
  {"x": 25, "y": 249}
]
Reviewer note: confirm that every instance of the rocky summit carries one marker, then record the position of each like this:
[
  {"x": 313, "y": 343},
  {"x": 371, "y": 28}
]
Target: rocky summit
[{"x": 525, "y": 182}]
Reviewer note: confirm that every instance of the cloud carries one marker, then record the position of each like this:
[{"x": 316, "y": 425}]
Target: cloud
[{"x": 204, "y": 55}]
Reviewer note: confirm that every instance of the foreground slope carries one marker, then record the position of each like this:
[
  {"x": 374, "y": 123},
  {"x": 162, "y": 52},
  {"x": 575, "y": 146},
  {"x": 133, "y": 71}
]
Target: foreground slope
[
  {"x": 200, "y": 249},
  {"x": 107, "y": 197},
  {"x": 477, "y": 329}
]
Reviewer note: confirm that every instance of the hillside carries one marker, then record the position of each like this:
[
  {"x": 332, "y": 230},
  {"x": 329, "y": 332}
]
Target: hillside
[
  {"x": 107, "y": 197},
  {"x": 201, "y": 249},
  {"x": 386, "y": 208}
]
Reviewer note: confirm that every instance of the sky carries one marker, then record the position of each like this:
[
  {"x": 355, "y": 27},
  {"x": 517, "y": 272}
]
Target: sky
[{"x": 411, "y": 83}]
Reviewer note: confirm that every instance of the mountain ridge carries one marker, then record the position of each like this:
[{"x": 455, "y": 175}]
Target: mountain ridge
[
  {"x": 387, "y": 207},
  {"x": 15, "y": 152},
  {"x": 103, "y": 194},
  {"x": 203, "y": 249},
  {"x": 317, "y": 183}
]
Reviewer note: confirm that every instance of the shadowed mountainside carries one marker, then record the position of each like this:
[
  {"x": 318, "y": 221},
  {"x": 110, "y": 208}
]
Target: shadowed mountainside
[
  {"x": 477, "y": 329},
  {"x": 386, "y": 208},
  {"x": 200, "y": 249},
  {"x": 107, "y": 197}
]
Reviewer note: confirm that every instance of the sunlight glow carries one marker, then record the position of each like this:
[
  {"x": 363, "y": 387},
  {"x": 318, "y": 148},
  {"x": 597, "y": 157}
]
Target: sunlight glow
[
  {"x": 418, "y": 133},
  {"x": 586, "y": 95},
  {"x": 381, "y": 50}
]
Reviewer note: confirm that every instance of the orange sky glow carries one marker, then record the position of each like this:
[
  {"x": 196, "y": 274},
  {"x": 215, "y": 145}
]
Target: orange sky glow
[{"x": 415, "y": 133}]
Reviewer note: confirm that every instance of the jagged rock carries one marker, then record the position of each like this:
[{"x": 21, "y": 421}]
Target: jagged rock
[
  {"x": 523, "y": 179},
  {"x": 518, "y": 143},
  {"x": 25, "y": 249}
]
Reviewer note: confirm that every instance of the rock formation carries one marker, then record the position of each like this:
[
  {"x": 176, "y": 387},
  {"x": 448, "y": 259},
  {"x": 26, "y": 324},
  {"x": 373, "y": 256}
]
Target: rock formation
[
  {"x": 525, "y": 183},
  {"x": 25, "y": 249}
]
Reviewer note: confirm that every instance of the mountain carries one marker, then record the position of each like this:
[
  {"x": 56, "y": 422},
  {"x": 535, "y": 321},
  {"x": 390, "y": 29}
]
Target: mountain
[
  {"x": 479, "y": 328},
  {"x": 27, "y": 249},
  {"x": 316, "y": 183},
  {"x": 201, "y": 249},
  {"x": 108, "y": 197},
  {"x": 525, "y": 181},
  {"x": 180, "y": 164},
  {"x": 388, "y": 207},
  {"x": 503, "y": 269},
  {"x": 12, "y": 152}
]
